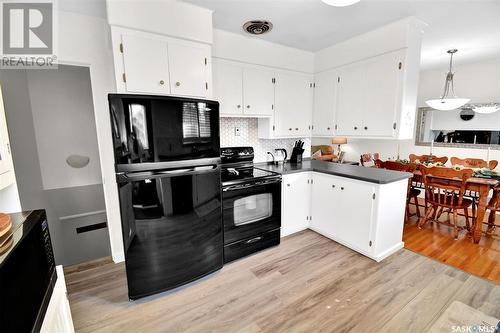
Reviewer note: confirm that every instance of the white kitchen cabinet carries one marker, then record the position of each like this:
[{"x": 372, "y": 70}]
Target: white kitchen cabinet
[
  {"x": 243, "y": 90},
  {"x": 343, "y": 210},
  {"x": 155, "y": 64},
  {"x": 188, "y": 69},
  {"x": 58, "y": 315},
  {"x": 376, "y": 97},
  {"x": 258, "y": 91},
  {"x": 325, "y": 95},
  {"x": 228, "y": 87},
  {"x": 7, "y": 176},
  {"x": 296, "y": 195},
  {"x": 146, "y": 65},
  {"x": 363, "y": 216},
  {"x": 293, "y": 102}
]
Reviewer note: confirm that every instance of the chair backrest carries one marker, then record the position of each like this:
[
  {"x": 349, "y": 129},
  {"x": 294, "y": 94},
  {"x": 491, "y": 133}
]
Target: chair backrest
[
  {"x": 445, "y": 186},
  {"x": 369, "y": 157},
  {"x": 425, "y": 158},
  {"x": 397, "y": 166},
  {"x": 474, "y": 163}
]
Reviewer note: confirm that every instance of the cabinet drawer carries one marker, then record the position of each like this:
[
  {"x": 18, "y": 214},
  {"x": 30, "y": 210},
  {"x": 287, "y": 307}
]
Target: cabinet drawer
[{"x": 248, "y": 246}]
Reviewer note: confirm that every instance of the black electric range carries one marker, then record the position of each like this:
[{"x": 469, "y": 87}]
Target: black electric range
[{"x": 251, "y": 204}]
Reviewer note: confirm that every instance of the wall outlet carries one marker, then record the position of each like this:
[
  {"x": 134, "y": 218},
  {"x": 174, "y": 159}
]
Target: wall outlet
[{"x": 237, "y": 131}]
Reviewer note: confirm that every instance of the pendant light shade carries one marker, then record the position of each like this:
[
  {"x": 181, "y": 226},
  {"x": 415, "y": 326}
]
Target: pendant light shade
[
  {"x": 486, "y": 108},
  {"x": 448, "y": 100},
  {"x": 340, "y": 3},
  {"x": 447, "y": 104}
]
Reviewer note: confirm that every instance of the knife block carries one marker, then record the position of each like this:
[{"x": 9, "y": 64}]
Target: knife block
[{"x": 296, "y": 155}]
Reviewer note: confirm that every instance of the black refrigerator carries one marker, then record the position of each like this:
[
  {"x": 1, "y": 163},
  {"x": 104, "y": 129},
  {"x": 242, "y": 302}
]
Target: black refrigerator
[{"x": 168, "y": 175}]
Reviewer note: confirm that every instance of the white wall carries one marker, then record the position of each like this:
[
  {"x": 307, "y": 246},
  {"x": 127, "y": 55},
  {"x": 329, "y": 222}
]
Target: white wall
[
  {"x": 167, "y": 17},
  {"x": 63, "y": 115},
  {"x": 9, "y": 199},
  {"x": 405, "y": 33},
  {"x": 85, "y": 40},
  {"x": 231, "y": 46},
  {"x": 479, "y": 81}
]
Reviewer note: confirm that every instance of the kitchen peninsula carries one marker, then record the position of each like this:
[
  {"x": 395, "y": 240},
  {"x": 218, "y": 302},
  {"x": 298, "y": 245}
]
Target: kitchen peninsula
[{"x": 361, "y": 208}]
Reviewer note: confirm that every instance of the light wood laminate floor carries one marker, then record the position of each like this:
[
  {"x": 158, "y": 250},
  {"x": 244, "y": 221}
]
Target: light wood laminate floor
[{"x": 307, "y": 284}]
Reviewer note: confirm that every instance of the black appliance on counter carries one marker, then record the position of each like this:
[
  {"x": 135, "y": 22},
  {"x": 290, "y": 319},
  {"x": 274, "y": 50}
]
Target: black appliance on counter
[
  {"x": 251, "y": 202},
  {"x": 168, "y": 174},
  {"x": 27, "y": 272}
]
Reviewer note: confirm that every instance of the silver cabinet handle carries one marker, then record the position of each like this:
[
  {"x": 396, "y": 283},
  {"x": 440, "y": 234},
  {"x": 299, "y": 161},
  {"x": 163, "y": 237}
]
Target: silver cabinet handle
[
  {"x": 162, "y": 82},
  {"x": 248, "y": 106},
  {"x": 366, "y": 127},
  {"x": 288, "y": 185},
  {"x": 342, "y": 188},
  {"x": 333, "y": 186},
  {"x": 238, "y": 106},
  {"x": 328, "y": 128},
  {"x": 296, "y": 129},
  {"x": 253, "y": 240},
  {"x": 177, "y": 83},
  {"x": 290, "y": 129}
]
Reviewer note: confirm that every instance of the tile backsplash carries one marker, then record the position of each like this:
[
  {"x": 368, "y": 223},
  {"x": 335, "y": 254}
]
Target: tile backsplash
[{"x": 249, "y": 137}]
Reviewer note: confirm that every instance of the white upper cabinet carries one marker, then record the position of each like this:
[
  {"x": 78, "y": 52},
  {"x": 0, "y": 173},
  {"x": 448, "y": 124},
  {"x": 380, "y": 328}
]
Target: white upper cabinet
[
  {"x": 146, "y": 65},
  {"x": 228, "y": 87},
  {"x": 325, "y": 94},
  {"x": 375, "y": 98},
  {"x": 154, "y": 64},
  {"x": 293, "y": 105},
  {"x": 258, "y": 91},
  {"x": 243, "y": 90},
  {"x": 188, "y": 69}
]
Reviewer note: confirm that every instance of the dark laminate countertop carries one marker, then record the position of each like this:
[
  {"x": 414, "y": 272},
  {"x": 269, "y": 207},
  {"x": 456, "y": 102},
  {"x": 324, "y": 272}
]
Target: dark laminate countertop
[{"x": 372, "y": 175}]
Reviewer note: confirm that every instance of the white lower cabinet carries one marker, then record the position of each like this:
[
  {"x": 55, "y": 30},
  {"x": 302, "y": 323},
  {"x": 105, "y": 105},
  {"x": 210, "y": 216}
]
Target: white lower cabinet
[
  {"x": 363, "y": 216},
  {"x": 296, "y": 193},
  {"x": 58, "y": 316},
  {"x": 343, "y": 210}
]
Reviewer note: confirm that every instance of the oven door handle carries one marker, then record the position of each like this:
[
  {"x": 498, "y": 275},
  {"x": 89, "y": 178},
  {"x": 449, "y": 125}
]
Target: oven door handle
[{"x": 258, "y": 183}]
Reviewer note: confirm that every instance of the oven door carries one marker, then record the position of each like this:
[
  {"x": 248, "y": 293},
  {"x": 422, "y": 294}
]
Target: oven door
[{"x": 251, "y": 209}]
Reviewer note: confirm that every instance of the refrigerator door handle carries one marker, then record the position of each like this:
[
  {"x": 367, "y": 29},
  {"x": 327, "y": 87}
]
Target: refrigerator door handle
[{"x": 137, "y": 176}]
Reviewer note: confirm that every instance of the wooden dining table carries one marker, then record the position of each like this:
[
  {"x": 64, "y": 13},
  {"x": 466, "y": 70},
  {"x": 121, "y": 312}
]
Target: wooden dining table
[{"x": 482, "y": 187}]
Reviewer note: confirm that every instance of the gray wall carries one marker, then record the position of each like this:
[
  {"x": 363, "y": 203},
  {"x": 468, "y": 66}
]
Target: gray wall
[{"x": 77, "y": 205}]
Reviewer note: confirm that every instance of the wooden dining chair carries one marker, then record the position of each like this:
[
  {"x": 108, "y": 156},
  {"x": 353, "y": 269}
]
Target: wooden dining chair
[
  {"x": 369, "y": 159},
  {"x": 425, "y": 158},
  {"x": 412, "y": 193},
  {"x": 493, "y": 207},
  {"x": 474, "y": 163},
  {"x": 445, "y": 188}
]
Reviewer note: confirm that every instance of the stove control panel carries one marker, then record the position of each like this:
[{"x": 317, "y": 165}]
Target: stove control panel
[{"x": 236, "y": 154}]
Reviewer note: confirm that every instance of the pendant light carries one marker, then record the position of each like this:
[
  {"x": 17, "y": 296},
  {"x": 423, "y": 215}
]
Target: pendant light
[
  {"x": 340, "y": 3},
  {"x": 448, "y": 100}
]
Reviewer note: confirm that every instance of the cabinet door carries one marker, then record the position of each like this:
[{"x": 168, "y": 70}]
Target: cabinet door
[
  {"x": 353, "y": 221},
  {"x": 350, "y": 95},
  {"x": 383, "y": 83},
  {"x": 58, "y": 314},
  {"x": 188, "y": 69},
  {"x": 293, "y": 104},
  {"x": 324, "y": 205},
  {"x": 325, "y": 93},
  {"x": 296, "y": 203},
  {"x": 146, "y": 65},
  {"x": 228, "y": 87},
  {"x": 258, "y": 91}
]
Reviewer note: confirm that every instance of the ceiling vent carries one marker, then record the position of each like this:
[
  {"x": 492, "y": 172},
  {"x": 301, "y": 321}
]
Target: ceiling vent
[{"x": 257, "y": 27}]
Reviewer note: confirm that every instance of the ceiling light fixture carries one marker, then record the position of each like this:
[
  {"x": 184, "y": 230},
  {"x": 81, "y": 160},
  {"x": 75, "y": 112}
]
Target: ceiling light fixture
[
  {"x": 340, "y": 3},
  {"x": 486, "y": 108},
  {"x": 447, "y": 102}
]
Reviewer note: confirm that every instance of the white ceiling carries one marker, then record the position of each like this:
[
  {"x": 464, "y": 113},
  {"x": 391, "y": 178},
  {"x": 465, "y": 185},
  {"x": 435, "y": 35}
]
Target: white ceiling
[{"x": 472, "y": 26}]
